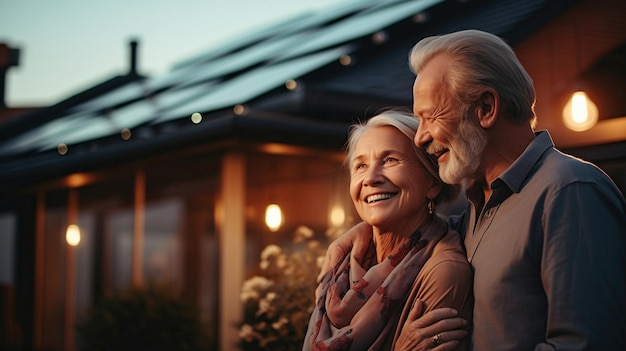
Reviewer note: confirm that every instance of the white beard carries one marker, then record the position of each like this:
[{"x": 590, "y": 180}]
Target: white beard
[{"x": 464, "y": 153}]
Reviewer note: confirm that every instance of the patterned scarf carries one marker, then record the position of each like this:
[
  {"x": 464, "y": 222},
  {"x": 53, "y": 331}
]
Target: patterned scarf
[{"x": 361, "y": 315}]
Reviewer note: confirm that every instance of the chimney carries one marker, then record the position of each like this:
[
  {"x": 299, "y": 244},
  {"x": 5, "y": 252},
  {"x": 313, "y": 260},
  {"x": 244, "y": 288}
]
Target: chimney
[
  {"x": 133, "y": 57},
  {"x": 8, "y": 57}
]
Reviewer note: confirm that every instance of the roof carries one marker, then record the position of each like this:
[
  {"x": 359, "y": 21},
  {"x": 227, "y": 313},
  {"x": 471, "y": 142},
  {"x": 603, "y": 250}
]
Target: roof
[{"x": 302, "y": 81}]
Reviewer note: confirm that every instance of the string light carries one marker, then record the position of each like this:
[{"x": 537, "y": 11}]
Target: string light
[
  {"x": 291, "y": 84},
  {"x": 196, "y": 118},
  {"x": 125, "y": 133},
  {"x": 62, "y": 149},
  {"x": 239, "y": 110},
  {"x": 345, "y": 60}
]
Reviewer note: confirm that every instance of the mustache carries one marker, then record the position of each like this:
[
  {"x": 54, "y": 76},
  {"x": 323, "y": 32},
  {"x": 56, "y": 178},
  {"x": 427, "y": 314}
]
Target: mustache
[{"x": 435, "y": 148}]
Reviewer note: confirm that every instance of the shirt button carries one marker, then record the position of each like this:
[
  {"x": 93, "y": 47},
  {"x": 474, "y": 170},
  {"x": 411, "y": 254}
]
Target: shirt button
[{"x": 489, "y": 213}]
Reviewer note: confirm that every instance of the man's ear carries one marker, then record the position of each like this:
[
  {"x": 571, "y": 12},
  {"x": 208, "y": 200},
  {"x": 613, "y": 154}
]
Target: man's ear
[{"x": 488, "y": 108}]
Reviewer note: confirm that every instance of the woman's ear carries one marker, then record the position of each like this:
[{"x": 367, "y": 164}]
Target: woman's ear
[
  {"x": 488, "y": 108},
  {"x": 435, "y": 188}
]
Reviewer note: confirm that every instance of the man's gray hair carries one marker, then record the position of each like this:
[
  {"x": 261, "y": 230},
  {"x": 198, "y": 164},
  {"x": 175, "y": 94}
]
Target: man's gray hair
[{"x": 478, "y": 60}]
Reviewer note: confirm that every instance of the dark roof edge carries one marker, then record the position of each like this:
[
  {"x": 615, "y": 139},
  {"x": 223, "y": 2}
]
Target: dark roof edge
[
  {"x": 24, "y": 122},
  {"x": 27, "y": 171}
]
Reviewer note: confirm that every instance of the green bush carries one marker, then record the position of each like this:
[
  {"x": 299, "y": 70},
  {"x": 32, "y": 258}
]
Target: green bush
[
  {"x": 149, "y": 319},
  {"x": 278, "y": 302}
]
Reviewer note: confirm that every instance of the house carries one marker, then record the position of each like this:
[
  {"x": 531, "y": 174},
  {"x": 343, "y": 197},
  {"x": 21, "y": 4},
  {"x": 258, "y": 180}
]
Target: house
[{"x": 168, "y": 177}]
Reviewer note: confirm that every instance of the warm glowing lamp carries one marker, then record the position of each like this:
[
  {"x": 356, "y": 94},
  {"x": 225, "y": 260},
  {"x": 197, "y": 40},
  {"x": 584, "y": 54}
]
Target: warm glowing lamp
[
  {"x": 337, "y": 216},
  {"x": 580, "y": 113},
  {"x": 72, "y": 235},
  {"x": 273, "y": 217}
]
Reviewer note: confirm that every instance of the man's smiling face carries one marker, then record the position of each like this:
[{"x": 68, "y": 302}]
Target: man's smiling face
[{"x": 457, "y": 142}]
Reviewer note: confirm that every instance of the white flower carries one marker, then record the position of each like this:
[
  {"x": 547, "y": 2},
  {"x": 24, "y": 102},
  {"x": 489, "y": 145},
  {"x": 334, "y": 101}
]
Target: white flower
[
  {"x": 280, "y": 323},
  {"x": 314, "y": 245},
  {"x": 320, "y": 261},
  {"x": 247, "y": 333},
  {"x": 281, "y": 261},
  {"x": 265, "y": 306},
  {"x": 269, "y": 251},
  {"x": 274, "y": 299},
  {"x": 302, "y": 233},
  {"x": 252, "y": 287}
]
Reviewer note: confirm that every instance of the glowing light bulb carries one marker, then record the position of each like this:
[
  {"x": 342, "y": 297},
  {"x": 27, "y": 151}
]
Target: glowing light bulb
[
  {"x": 337, "y": 216},
  {"x": 72, "y": 235},
  {"x": 273, "y": 217},
  {"x": 580, "y": 113}
]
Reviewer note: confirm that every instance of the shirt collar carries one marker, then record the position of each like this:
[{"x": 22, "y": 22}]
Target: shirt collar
[{"x": 521, "y": 169}]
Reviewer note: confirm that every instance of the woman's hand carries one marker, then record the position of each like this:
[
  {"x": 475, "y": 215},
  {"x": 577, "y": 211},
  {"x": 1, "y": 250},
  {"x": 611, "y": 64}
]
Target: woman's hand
[
  {"x": 357, "y": 239},
  {"x": 439, "y": 330}
]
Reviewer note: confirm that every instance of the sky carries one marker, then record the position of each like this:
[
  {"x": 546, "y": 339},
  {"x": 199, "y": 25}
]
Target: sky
[{"x": 67, "y": 46}]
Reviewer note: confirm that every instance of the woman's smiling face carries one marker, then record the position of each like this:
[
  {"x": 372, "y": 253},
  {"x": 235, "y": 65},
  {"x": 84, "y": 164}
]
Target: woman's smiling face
[{"x": 388, "y": 184}]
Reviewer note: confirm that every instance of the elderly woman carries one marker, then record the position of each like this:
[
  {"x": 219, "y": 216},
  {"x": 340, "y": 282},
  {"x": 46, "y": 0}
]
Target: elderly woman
[{"x": 414, "y": 262}]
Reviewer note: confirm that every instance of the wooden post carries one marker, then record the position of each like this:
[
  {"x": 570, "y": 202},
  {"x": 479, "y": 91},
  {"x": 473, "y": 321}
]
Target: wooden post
[
  {"x": 230, "y": 221},
  {"x": 70, "y": 273},
  {"x": 138, "y": 228},
  {"x": 39, "y": 269}
]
